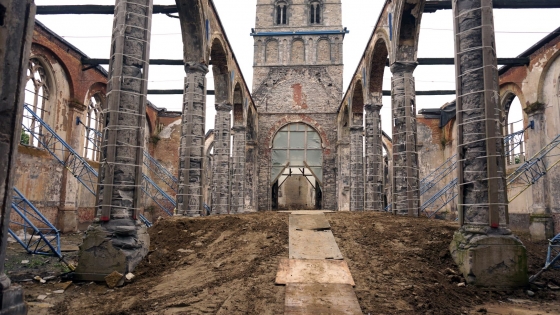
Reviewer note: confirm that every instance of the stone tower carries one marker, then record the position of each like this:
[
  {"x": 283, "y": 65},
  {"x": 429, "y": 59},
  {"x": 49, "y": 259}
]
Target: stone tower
[{"x": 297, "y": 88}]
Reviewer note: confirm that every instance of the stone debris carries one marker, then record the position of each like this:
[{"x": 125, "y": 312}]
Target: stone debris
[
  {"x": 553, "y": 287},
  {"x": 530, "y": 293},
  {"x": 114, "y": 279},
  {"x": 462, "y": 284},
  {"x": 42, "y": 297},
  {"x": 63, "y": 285},
  {"x": 129, "y": 276},
  {"x": 58, "y": 291},
  {"x": 25, "y": 262}
]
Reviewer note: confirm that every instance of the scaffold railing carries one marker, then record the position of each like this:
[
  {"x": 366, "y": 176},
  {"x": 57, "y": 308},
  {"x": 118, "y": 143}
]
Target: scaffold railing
[
  {"x": 552, "y": 257},
  {"x": 38, "y": 235},
  {"x": 61, "y": 151},
  {"x": 531, "y": 171},
  {"x": 445, "y": 195},
  {"x": 438, "y": 174}
]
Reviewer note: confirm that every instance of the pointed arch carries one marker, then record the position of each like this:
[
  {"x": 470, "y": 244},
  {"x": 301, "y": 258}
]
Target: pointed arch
[{"x": 193, "y": 30}]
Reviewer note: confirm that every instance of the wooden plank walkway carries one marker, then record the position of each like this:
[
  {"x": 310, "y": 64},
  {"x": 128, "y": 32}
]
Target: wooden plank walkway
[{"x": 317, "y": 278}]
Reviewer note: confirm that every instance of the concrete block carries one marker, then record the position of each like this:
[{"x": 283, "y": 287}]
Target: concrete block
[{"x": 492, "y": 258}]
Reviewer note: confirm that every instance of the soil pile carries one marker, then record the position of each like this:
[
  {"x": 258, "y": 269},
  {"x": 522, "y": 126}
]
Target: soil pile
[{"x": 228, "y": 264}]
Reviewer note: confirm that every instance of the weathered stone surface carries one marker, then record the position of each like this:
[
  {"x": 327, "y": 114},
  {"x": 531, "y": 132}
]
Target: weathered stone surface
[
  {"x": 191, "y": 151},
  {"x": 238, "y": 169},
  {"x": 356, "y": 169},
  {"x": 221, "y": 163},
  {"x": 373, "y": 158},
  {"x": 490, "y": 257},
  {"x": 104, "y": 251},
  {"x": 541, "y": 227}
]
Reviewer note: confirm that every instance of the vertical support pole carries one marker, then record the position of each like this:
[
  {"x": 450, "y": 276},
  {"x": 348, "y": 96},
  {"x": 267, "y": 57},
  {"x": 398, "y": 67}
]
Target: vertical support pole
[
  {"x": 356, "y": 168},
  {"x": 238, "y": 178},
  {"x": 191, "y": 151},
  {"x": 406, "y": 193},
  {"x": 220, "y": 172},
  {"x": 483, "y": 242},
  {"x": 16, "y": 31},
  {"x": 119, "y": 197},
  {"x": 374, "y": 157}
]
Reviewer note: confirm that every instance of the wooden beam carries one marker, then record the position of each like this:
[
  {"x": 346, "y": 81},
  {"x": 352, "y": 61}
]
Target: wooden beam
[
  {"x": 175, "y": 92},
  {"x": 421, "y": 61},
  {"x": 433, "y": 6},
  {"x": 95, "y": 9}
]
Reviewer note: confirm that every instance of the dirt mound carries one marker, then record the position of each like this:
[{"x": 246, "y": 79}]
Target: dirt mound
[
  {"x": 403, "y": 266},
  {"x": 227, "y": 265}
]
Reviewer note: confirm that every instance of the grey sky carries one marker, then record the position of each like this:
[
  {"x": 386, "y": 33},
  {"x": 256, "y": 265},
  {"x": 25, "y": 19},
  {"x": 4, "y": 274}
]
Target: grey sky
[{"x": 516, "y": 30}]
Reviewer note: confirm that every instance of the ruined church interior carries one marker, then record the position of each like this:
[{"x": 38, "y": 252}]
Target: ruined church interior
[{"x": 307, "y": 187}]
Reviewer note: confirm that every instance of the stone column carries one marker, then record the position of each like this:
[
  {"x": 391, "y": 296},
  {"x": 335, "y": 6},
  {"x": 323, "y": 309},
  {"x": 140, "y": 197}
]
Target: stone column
[
  {"x": 16, "y": 31},
  {"x": 238, "y": 177},
  {"x": 542, "y": 222},
  {"x": 406, "y": 193},
  {"x": 374, "y": 158},
  {"x": 118, "y": 241},
  {"x": 67, "y": 218},
  {"x": 220, "y": 167},
  {"x": 191, "y": 151},
  {"x": 356, "y": 168},
  {"x": 251, "y": 178},
  {"x": 343, "y": 182},
  {"x": 483, "y": 244}
]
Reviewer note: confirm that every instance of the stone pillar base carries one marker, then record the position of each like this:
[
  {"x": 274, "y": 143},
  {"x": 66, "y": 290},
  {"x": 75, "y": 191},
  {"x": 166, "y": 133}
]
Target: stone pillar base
[
  {"x": 541, "y": 227},
  {"x": 67, "y": 220},
  {"x": 118, "y": 245},
  {"x": 493, "y": 258},
  {"x": 12, "y": 301}
]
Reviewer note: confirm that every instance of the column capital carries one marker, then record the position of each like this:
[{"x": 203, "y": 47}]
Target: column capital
[
  {"x": 226, "y": 107},
  {"x": 535, "y": 109},
  {"x": 373, "y": 107},
  {"x": 238, "y": 128},
  {"x": 403, "y": 66},
  {"x": 196, "y": 67}
]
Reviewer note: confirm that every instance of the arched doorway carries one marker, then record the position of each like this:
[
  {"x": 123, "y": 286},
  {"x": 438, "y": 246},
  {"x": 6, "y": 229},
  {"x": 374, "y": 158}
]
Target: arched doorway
[{"x": 297, "y": 168}]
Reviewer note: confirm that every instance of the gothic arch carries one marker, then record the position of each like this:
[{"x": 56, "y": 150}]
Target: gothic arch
[
  {"x": 376, "y": 66},
  {"x": 358, "y": 99},
  {"x": 302, "y": 118},
  {"x": 220, "y": 69},
  {"x": 238, "y": 111}
]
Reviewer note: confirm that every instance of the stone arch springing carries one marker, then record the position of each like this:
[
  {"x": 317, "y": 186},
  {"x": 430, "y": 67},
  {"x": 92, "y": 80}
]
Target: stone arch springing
[
  {"x": 238, "y": 112},
  {"x": 408, "y": 15},
  {"x": 193, "y": 30}
]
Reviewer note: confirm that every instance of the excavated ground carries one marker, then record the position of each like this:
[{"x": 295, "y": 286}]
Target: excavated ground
[{"x": 227, "y": 265}]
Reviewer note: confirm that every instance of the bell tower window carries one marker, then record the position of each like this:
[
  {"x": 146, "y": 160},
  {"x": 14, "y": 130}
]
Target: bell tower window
[
  {"x": 281, "y": 13},
  {"x": 315, "y": 12}
]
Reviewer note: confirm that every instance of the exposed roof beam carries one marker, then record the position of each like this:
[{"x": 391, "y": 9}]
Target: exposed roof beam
[
  {"x": 433, "y": 6},
  {"x": 385, "y": 93},
  {"x": 95, "y": 9},
  {"x": 421, "y": 61}
]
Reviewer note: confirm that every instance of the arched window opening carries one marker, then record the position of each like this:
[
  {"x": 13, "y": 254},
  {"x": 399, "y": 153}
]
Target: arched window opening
[
  {"x": 94, "y": 129},
  {"x": 36, "y": 97},
  {"x": 514, "y": 141},
  {"x": 315, "y": 12},
  {"x": 297, "y": 168},
  {"x": 281, "y": 13}
]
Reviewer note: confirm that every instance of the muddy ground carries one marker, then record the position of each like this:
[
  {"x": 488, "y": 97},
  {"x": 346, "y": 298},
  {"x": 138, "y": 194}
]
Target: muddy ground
[{"x": 227, "y": 265}]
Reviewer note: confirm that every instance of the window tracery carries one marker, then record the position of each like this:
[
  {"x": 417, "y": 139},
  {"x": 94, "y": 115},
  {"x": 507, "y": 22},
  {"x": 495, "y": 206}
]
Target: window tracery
[
  {"x": 281, "y": 13},
  {"x": 315, "y": 12},
  {"x": 94, "y": 129},
  {"x": 36, "y": 97}
]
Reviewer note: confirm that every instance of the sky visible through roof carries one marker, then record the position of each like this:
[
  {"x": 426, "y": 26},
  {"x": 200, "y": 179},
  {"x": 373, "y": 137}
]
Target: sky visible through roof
[{"x": 516, "y": 31}]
